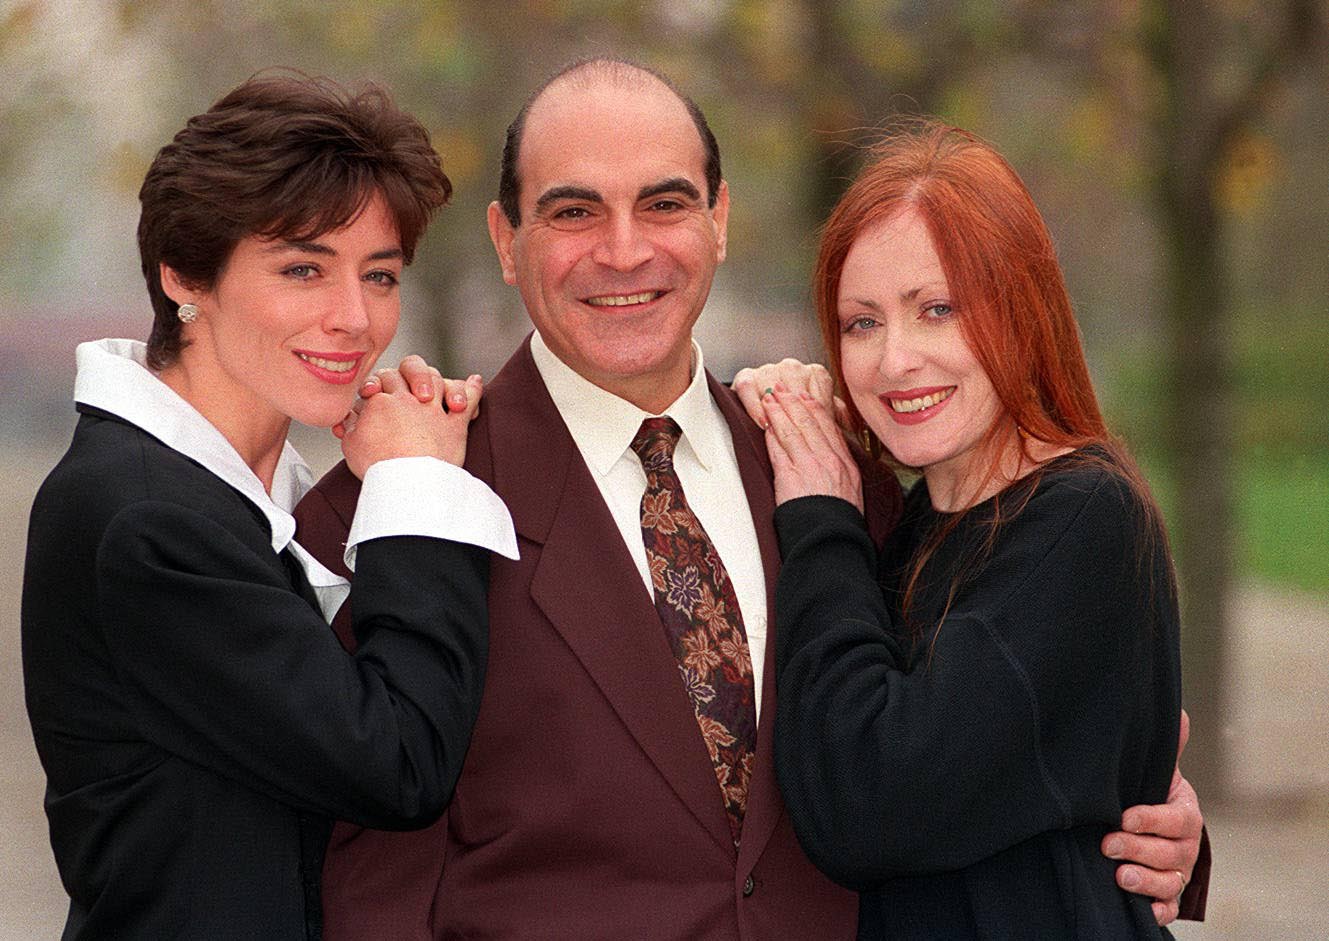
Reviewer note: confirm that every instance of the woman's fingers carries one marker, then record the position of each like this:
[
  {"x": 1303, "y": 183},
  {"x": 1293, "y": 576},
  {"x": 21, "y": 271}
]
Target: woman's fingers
[
  {"x": 814, "y": 458},
  {"x": 389, "y": 380},
  {"x": 462, "y": 395},
  {"x": 782, "y": 423},
  {"x": 473, "y": 389},
  {"x": 413, "y": 374},
  {"x": 422, "y": 379},
  {"x": 749, "y": 395},
  {"x": 788, "y": 375}
]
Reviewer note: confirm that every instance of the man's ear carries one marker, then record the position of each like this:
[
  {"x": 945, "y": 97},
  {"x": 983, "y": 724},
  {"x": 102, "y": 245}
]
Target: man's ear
[
  {"x": 501, "y": 233},
  {"x": 720, "y": 218}
]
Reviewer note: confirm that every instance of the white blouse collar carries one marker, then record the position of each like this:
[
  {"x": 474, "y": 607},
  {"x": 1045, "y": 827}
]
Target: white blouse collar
[{"x": 113, "y": 376}]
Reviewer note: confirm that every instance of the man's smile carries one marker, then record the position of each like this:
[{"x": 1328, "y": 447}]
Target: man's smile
[{"x": 623, "y": 300}]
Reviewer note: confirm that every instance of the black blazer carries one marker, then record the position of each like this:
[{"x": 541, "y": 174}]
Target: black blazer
[{"x": 197, "y": 720}]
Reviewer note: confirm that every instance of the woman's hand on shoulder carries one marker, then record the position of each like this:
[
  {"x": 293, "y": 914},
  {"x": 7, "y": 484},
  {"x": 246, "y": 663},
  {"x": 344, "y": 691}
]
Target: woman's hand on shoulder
[
  {"x": 808, "y": 451},
  {"x": 411, "y": 411},
  {"x": 788, "y": 375}
]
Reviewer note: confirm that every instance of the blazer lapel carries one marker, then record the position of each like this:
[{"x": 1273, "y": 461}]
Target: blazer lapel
[
  {"x": 764, "y": 804},
  {"x": 588, "y": 587}
]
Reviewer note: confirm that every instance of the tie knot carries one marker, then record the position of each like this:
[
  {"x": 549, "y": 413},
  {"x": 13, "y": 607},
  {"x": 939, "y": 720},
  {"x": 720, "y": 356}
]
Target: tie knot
[{"x": 655, "y": 442}]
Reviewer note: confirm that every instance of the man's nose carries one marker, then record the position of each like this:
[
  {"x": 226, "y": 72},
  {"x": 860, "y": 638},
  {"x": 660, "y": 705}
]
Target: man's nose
[{"x": 624, "y": 245}]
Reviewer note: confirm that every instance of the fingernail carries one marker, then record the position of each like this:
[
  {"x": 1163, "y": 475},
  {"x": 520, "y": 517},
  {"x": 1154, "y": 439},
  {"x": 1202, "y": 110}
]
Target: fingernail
[
  {"x": 425, "y": 391},
  {"x": 1114, "y": 849},
  {"x": 1130, "y": 824},
  {"x": 1130, "y": 879}
]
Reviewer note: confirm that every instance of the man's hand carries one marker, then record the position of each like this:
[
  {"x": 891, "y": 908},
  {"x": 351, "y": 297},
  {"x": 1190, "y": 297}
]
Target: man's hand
[
  {"x": 1160, "y": 843},
  {"x": 788, "y": 375}
]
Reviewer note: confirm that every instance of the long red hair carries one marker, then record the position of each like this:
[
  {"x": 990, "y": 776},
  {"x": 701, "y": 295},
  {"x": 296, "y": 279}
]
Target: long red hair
[{"x": 1004, "y": 278}]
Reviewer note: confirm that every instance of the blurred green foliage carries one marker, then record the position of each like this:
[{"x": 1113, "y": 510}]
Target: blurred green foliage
[{"x": 1282, "y": 439}]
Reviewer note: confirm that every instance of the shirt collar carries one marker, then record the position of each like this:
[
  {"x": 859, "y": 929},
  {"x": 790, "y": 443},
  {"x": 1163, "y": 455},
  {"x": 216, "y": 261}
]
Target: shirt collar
[
  {"x": 113, "y": 376},
  {"x": 603, "y": 425}
]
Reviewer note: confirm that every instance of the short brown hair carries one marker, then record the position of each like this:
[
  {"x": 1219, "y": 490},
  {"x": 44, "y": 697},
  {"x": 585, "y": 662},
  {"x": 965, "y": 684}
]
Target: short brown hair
[{"x": 283, "y": 155}]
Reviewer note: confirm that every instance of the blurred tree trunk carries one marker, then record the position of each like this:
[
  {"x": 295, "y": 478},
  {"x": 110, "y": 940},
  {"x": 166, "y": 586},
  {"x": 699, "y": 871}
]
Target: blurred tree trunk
[
  {"x": 1202, "y": 114},
  {"x": 844, "y": 97}
]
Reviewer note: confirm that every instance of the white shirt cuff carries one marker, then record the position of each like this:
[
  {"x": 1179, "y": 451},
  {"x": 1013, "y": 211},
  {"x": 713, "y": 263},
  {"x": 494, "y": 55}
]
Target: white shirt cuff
[{"x": 423, "y": 496}]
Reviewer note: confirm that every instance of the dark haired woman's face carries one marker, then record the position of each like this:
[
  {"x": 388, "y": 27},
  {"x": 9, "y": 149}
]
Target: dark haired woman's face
[
  {"x": 906, "y": 363},
  {"x": 295, "y": 327}
]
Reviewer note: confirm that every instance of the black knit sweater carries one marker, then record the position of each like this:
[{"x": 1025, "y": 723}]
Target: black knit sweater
[{"x": 963, "y": 783}]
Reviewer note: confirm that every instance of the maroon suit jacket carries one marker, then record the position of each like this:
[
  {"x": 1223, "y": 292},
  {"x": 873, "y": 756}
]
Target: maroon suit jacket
[{"x": 587, "y": 805}]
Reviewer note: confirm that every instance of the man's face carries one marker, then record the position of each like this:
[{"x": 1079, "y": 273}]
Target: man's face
[{"x": 617, "y": 248}]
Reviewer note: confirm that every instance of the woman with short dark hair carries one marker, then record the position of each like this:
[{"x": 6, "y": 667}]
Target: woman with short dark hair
[{"x": 199, "y": 723}]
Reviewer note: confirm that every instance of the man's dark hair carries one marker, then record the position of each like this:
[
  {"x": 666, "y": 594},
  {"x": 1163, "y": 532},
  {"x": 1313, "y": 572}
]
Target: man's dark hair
[
  {"x": 283, "y": 156},
  {"x": 509, "y": 183}
]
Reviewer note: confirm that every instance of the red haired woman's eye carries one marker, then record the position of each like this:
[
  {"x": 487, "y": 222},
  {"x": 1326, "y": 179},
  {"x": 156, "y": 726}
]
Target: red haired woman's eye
[{"x": 858, "y": 324}]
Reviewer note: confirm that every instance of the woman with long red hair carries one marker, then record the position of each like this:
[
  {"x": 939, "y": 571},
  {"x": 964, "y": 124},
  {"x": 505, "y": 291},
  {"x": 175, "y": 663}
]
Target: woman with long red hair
[{"x": 964, "y": 716}]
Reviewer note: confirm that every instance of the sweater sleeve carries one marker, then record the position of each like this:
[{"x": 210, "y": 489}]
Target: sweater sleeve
[
  {"x": 1044, "y": 681},
  {"x": 233, "y": 670}
]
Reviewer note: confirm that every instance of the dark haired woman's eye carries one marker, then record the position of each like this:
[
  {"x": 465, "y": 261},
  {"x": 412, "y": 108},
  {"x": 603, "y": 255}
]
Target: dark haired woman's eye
[
  {"x": 385, "y": 278},
  {"x": 301, "y": 271}
]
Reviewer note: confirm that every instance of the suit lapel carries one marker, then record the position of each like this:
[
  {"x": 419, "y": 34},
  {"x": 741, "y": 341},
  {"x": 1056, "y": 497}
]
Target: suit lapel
[
  {"x": 764, "y": 804},
  {"x": 586, "y": 584}
]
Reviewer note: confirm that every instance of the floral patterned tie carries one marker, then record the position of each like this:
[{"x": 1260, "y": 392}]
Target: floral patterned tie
[{"x": 699, "y": 610}]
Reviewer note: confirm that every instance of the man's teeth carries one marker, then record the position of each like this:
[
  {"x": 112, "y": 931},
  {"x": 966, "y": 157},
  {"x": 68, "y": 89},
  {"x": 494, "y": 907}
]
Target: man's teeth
[
  {"x": 331, "y": 365},
  {"x": 622, "y": 300},
  {"x": 927, "y": 401}
]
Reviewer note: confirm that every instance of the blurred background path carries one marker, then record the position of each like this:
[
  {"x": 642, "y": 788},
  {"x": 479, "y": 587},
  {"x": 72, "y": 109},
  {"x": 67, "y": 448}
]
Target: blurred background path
[{"x": 1271, "y": 842}]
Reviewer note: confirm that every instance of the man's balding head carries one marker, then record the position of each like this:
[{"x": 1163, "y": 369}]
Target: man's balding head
[
  {"x": 585, "y": 74},
  {"x": 615, "y": 231}
]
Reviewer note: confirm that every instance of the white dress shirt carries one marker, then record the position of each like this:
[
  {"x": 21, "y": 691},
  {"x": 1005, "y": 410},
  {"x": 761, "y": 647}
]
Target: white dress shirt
[
  {"x": 414, "y": 496},
  {"x": 602, "y": 425}
]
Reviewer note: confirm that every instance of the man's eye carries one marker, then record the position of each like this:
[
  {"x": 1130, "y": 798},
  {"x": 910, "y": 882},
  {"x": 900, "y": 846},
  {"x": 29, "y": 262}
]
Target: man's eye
[{"x": 572, "y": 212}]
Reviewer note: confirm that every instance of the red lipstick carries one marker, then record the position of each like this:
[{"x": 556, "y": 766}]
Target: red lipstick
[
  {"x": 335, "y": 368},
  {"x": 920, "y": 412}
]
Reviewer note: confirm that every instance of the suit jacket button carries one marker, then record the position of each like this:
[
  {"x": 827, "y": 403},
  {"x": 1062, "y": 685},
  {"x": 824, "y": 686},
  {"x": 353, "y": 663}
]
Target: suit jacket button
[{"x": 748, "y": 887}]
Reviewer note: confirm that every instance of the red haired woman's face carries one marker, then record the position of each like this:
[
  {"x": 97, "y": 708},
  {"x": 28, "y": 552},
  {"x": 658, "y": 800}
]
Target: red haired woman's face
[{"x": 906, "y": 363}]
